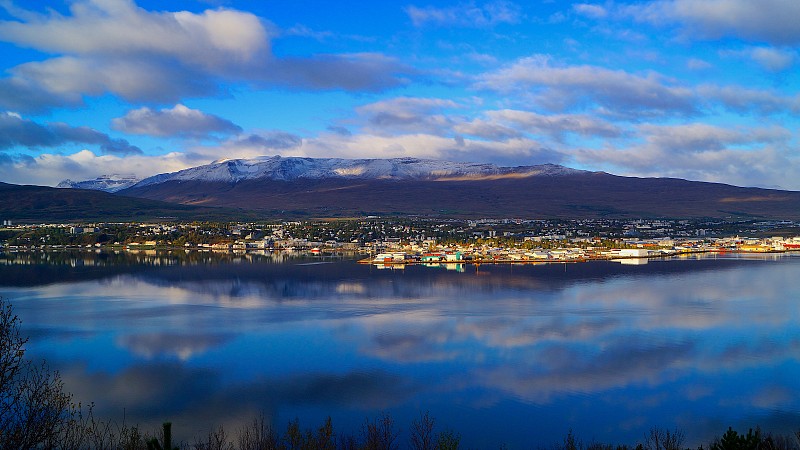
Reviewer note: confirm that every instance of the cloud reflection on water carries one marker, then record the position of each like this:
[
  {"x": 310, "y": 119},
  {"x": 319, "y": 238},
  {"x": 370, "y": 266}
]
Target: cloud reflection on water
[
  {"x": 706, "y": 334},
  {"x": 198, "y": 399},
  {"x": 182, "y": 346}
]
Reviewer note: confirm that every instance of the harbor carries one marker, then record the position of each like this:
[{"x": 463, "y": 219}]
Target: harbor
[{"x": 638, "y": 255}]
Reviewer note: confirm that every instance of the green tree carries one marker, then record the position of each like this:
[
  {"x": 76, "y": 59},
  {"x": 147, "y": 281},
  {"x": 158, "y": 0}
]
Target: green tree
[
  {"x": 732, "y": 440},
  {"x": 448, "y": 440}
]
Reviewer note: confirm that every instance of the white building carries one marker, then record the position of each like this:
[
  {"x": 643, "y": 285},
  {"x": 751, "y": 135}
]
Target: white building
[{"x": 634, "y": 253}]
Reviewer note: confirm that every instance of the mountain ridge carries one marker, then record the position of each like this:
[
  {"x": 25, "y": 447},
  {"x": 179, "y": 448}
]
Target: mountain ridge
[
  {"x": 545, "y": 191},
  {"x": 43, "y": 204},
  {"x": 292, "y": 168},
  {"x": 106, "y": 183},
  {"x": 275, "y": 186}
]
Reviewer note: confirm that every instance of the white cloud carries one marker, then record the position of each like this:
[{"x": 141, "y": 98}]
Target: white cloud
[
  {"x": 304, "y": 31},
  {"x": 333, "y": 144},
  {"x": 213, "y": 39},
  {"x": 773, "y": 21},
  {"x": 744, "y": 156},
  {"x": 49, "y": 169},
  {"x": 487, "y": 129},
  {"x": 621, "y": 94},
  {"x": 368, "y": 72},
  {"x": 742, "y": 99},
  {"x": 67, "y": 79},
  {"x": 558, "y": 124},
  {"x": 482, "y": 58},
  {"x": 773, "y": 59},
  {"x": 178, "y": 121},
  {"x": 466, "y": 14},
  {"x": 700, "y": 137},
  {"x": 590, "y": 10},
  {"x": 517, "y": 151},
  {"x": 17, "y": 131},
  {"x": 752, "y": 156},
  {"x": 407, "y": 115},
  {"x": 265, "y": 143},
  {"x": 698, "y": 64},
  {"x": 114, "y": 46},
  {"x": 560, "y": 87}
]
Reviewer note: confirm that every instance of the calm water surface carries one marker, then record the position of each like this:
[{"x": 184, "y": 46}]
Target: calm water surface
[{"x": 501, "y": 354}]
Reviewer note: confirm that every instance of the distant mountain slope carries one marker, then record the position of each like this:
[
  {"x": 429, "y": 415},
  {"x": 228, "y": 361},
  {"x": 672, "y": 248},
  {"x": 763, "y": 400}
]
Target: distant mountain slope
[
  {"x": 106, "y": 183},
  {"x": 288, "y": 169},
  {"x": 330, "y": 187},
  {"x": 26, "y": 204},
  {"x": 337, "y": 188}
]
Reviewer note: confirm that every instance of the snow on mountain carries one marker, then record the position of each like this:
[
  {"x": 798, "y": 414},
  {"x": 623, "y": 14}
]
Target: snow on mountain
[
  {"x": 107, "y": 183},
  {"x": 291, "y": 168}
]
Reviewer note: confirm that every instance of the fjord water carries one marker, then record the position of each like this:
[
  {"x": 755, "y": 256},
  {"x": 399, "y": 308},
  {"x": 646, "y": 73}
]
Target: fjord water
[{"x": 498, "y": 353}]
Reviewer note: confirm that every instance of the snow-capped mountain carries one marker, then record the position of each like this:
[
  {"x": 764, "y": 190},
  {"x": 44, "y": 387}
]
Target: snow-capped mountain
[
  {"x": 275, "y": 186},
  {"x": 293, "y": 168},
  {"x": 107, "y": 183}
]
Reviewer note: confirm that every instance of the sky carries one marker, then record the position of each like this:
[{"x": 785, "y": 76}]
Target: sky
[{"x": 697, "y": 89}]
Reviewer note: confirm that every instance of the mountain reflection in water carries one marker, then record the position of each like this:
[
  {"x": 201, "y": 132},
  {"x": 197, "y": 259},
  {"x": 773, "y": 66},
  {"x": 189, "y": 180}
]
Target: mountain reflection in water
[{"x": 501, "y": 354}]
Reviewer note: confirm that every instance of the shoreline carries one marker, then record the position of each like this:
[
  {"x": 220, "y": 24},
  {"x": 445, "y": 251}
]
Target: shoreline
[{"x": 412, "y": 261}]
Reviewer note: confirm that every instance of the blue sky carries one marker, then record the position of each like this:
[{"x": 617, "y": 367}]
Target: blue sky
[{"x": 697, "y": 89}]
